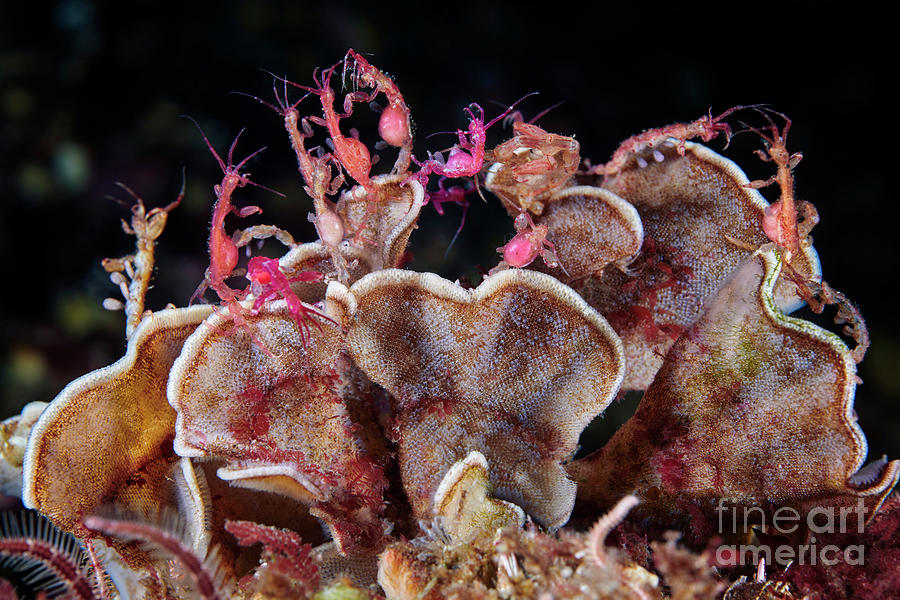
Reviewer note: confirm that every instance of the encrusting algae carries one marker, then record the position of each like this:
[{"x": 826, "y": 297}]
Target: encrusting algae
[{"x": 342, "y": 427}]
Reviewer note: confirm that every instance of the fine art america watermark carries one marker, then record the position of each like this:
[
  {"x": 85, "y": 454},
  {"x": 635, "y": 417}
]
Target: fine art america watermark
[{"x": 784, "y": 521}]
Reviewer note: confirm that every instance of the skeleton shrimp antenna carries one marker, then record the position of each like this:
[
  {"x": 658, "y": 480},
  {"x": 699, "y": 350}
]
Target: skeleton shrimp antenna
[{"x": 236, "y": 167}]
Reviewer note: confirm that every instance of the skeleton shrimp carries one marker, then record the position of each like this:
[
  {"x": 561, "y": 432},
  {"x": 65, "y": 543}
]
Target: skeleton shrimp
[
  {"x": 223, "y": 251},
  {"x": 351, "y": 153},
  {"x": 779, "y": 220},
  {"x": 395, "y": 123},
  {"x": 316, "y": 172},
  {"x": 457, "y": 194},
  {"x": 146, "y": 226},
  {"x": 467, "y": 157},
  {"x": 707, "y": 128},
  {"x": 529, "y": 242},
  {"x": 267, "y": 281},
  {"x": 530, "y": 166}
]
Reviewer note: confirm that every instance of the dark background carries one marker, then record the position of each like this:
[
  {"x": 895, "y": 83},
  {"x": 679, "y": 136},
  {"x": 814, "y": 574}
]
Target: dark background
[{"x": 90, "y": 94}]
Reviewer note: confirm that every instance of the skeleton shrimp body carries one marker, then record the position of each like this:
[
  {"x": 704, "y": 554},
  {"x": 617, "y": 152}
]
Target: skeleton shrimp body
[
  {"x": 268, "y": 281},
  {"x": 223, "y": 251},
  {"x": 467, "y": 157},
  {"x": 529, "y": 242},
  {"x": 265, "y": 275},
  {"x": 707, "y": 128},
  {"x": 394, "y": 124},
  {"x": 351, "y": 153}
]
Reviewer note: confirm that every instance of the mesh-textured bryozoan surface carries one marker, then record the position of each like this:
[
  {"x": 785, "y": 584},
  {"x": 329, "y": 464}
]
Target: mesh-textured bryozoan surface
[
  {"x": 274, "y": 408},
  {"x": 383, "y": 226},
  {"x": 314, "y": 256},
  {"x": 108, "y": 434},
  {"x": 514, "y": 369},
  {"x": 590, "y": 227},
  {"x": 749, "y": 406},
  {"x": 700, "y": 222}
]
